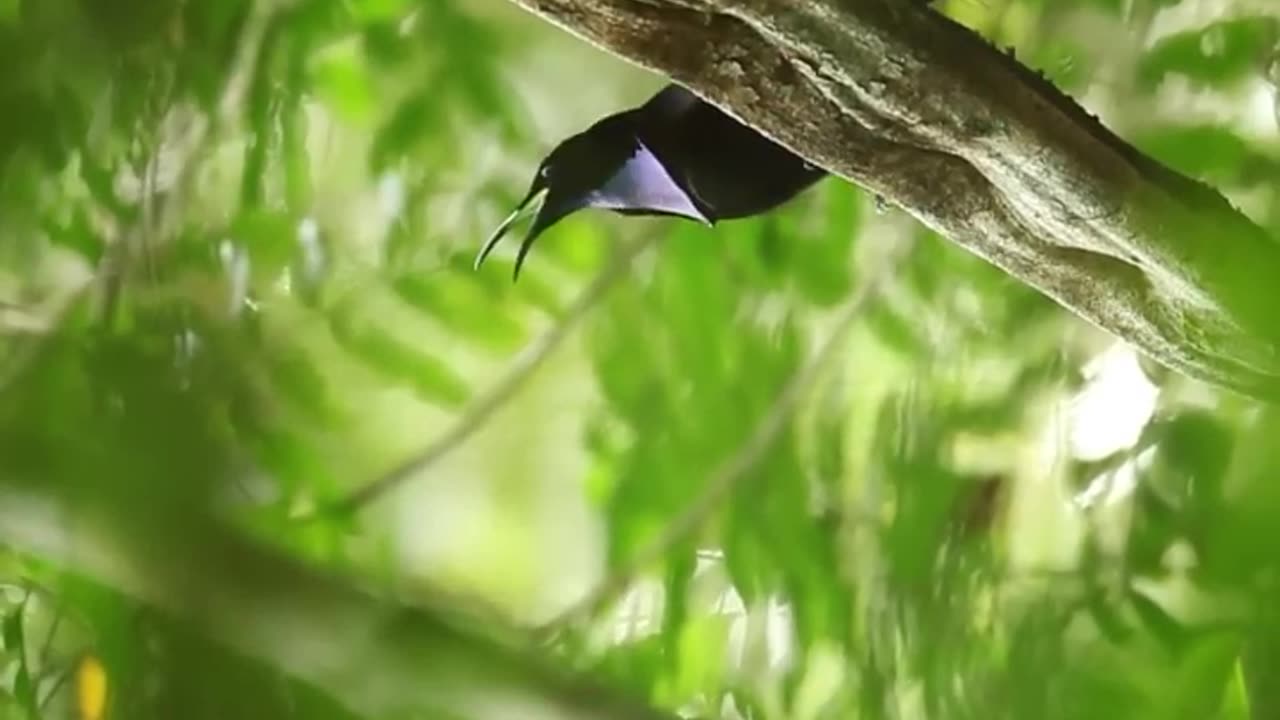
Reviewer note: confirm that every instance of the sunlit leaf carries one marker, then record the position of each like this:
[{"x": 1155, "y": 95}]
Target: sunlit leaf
[
  {"x": 401, "y": 360},
  {"x": 342, "y": 79},
  {"x": 463, "y": 306},
  {"x": 1215, "y": 54}
]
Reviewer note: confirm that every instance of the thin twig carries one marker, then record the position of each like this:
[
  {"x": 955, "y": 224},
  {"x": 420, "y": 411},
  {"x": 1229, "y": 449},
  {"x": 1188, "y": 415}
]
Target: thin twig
[
  {"x": 59, "y": 682},
  {"x": 739, "y": 465},
  {"x": 497, "y": 395},
  {"x": 49, "y": 637}
]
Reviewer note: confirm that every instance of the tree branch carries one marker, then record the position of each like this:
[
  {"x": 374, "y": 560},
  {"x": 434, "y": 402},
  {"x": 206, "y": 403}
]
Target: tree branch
[
  {"x": 497, "y": 395},
  {"x": 907, "y": 103},
  {"x": 375, "y": 658}
]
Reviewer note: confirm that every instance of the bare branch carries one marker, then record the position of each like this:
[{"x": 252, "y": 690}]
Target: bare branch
[
  {"x": 920, "y": 110},
  {"x": 497, "y": 395}
]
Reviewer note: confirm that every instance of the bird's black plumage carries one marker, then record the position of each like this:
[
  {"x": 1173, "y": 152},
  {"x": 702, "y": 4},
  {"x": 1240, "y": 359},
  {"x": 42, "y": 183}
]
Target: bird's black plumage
[{"x": 675, "y": 155}]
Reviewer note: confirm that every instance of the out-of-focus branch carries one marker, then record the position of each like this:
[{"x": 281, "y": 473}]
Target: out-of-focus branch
[
  {"x": 901, "y": 100},
  {"x": 376, "y": 658},
  {"x": 738, "y": 466},
  {"x": 499, "y": 393}
]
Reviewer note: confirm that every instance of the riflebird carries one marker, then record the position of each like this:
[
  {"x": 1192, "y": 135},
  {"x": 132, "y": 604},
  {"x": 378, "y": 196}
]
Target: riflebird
[{"x": 675, "y": 155}]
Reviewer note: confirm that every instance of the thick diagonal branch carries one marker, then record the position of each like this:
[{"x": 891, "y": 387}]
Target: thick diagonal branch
[
  {"x": 903, "y": 101},
  {"x": 375, "y": 658}
]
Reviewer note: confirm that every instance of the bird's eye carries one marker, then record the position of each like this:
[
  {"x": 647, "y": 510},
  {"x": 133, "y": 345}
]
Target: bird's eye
[{"x": 544, "y": 171}]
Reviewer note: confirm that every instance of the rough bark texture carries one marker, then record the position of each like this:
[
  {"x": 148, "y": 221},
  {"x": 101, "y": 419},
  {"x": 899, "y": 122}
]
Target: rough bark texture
[{"x": 899, "y": 99}]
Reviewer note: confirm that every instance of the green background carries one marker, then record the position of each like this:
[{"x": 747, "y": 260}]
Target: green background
[{"x": 236, "y": 288}]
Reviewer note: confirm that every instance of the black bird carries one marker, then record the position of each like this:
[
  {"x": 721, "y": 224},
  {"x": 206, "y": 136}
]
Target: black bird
[{"x": 675, "y": 155}]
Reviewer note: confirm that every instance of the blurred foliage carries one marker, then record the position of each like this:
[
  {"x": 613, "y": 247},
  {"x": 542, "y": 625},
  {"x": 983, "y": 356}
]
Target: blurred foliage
[{"x": 235, "y": 243}]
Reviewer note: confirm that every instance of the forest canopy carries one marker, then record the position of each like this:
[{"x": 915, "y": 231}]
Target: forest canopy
[{"x": 272, "y": 447}]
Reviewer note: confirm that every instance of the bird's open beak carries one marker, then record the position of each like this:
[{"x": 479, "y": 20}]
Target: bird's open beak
[{"x": 531, "y": 203}]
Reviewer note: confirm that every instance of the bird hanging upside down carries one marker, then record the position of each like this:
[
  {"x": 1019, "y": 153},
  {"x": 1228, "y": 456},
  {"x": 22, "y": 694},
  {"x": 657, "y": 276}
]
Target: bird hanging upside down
[{"x": 675, "y": 155}]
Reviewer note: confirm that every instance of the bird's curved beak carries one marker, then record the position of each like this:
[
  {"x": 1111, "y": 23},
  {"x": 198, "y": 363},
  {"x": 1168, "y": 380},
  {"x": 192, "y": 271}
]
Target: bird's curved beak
[{"x": 532, "y": 202}]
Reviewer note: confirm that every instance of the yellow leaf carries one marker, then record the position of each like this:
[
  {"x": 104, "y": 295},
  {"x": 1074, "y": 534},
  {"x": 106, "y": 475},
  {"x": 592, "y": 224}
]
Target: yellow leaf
[{"x": 91, "y": 689}]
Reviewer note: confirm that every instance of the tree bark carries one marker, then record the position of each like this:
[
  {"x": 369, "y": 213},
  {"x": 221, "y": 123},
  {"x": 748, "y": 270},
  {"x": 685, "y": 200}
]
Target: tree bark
[{"x": 895, "y": 97}]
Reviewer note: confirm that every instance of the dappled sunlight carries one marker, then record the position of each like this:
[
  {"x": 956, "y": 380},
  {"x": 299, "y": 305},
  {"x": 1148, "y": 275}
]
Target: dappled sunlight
[{"x": 1116, "y": 403}]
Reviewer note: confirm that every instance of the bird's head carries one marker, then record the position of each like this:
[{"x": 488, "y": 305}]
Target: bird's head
[
  {"x": 605, "y": 166},
  {"x": 564, "y": 183}
]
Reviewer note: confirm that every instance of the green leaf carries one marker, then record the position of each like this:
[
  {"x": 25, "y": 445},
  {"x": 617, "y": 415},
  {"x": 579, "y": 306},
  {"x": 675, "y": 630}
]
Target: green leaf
[
  {"x": 297, "y": 161},
  {"x": 341, "y": 77},
  {"x": 24, "y": 691},
  {"x": 367, "y": 11},
  {"x": 417, "y": 116},
  {"x": 297, "y": 377},
  {"x": 77, "y": 235},
  {"x": 12, "y": 630},
  {"x": 1157, "y": 621},
  {"x": 10, "y": 11},
  {"x": 577, "y": 243},
  {"x": 463, "y": 306},
  {"x": 1107, "y": 618},
  {"x": 824, "y": 265},
  {"x": 703, "y": 645},
  {"x": 399, "y": 360},
  {"x": 15, "y": 642},
  {"x": 270, "y": 237},
  {"x": 680, "y": 567},
  {"x": 897, "y": 328},
  {"x": 1200, "y": 678},
  {"x": 1214, "y": 153},
  {"x": 1217, "y": 54}
]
